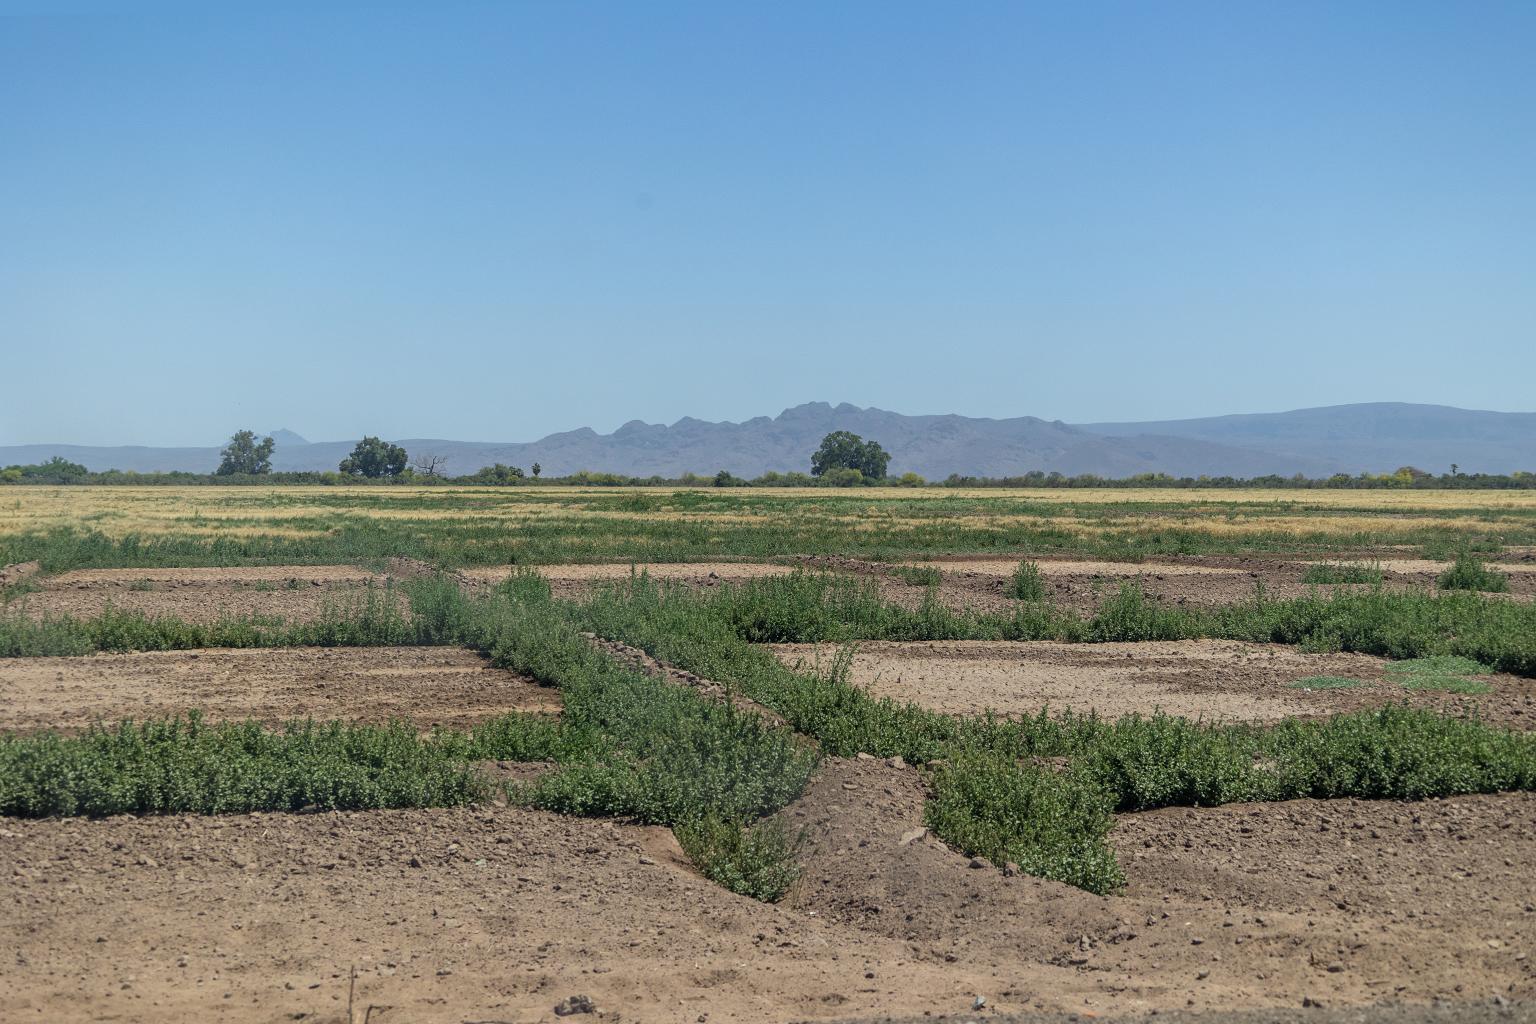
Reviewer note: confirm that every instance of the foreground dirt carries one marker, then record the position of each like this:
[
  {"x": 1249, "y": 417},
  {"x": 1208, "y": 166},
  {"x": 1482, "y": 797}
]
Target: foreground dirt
[
  {"x": 1209, "y": 679},
  {"x": 424, "y": 685},
  {"x": 1491, "y": 1012},
  {"x": 501, "y": 913}
]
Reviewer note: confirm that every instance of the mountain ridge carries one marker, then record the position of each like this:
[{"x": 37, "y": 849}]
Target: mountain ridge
[{"x": 1373, "y": 437}]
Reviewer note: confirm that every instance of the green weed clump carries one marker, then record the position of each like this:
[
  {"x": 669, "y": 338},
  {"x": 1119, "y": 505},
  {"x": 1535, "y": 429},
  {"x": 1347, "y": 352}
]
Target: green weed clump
[
  {"x": 1445, "y": 672},
  {"x": 1053, "y": 825},
  {"x": 1341, "y": 572},
  {"x": 756, "y": 861},
  {"x": 1469, "y": 573},
  {"x": 1326, "y": 683},
  {"x": 917, "y": 575},
  {"x": 1026, "y": 583}
]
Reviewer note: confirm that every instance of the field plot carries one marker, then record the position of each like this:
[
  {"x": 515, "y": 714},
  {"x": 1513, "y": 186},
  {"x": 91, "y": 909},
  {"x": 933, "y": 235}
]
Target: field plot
[
  {"x": 492, "y": 793},
  {"x": 292, "y": 593},
  {"x": 1216, "y": 680},
  {"x": 1208, "y": 581},
  {"x": 1213, "y": 679},
  {"x": 425, "y": 686}
]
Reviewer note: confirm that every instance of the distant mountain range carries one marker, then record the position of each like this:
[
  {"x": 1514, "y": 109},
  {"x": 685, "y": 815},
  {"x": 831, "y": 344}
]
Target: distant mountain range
[{"x": 1376, "y": 437}]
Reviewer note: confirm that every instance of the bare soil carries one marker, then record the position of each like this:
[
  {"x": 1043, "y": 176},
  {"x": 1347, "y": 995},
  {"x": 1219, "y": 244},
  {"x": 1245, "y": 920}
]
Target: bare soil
[
  {"x": 981, "y": 583},
  {"x": 12, "y": 574},
  {"x": 424, "y": 685},
  {"x": 1209, "y": 679},
  {"x": 498, "y": 914},
  {"x": 292, "y": 593}
]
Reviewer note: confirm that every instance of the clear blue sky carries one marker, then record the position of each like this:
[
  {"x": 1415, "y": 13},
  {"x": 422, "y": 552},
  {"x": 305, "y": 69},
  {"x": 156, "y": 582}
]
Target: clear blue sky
[{"x": 495, "y": 220}]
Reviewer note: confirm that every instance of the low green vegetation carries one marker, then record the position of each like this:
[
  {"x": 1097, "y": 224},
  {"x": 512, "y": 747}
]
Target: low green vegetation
[
  {"x": 1051, "y": 824},
  {"x": 817, "y": 608},
  {"x": 916, "y": 575},
  {"x": 1326, "y": 683},
  {"x": 1026, "y": 583},
  {"x": 374, "y": 619},
  {"x": 1469, "y": 573},
  {"x": 654, "y": 752},
  {"x": 756, "y": 861},
  {"x": 1341, "y": 572},
  {"x": 1446, "y": 672},
  {"x": 182, "y": 766}
]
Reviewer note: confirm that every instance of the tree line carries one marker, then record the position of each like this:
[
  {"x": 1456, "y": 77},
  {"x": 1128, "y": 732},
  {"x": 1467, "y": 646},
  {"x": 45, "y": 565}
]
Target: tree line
[{"x": 843, "y": 459}]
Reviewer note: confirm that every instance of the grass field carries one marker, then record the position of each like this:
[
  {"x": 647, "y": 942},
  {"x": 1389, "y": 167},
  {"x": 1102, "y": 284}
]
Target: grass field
[{"x": 69, "y": 527}]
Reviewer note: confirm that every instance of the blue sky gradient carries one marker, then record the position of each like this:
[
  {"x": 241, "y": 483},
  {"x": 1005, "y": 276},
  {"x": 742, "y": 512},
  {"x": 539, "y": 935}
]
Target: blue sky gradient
[{"x": 493, "y": 221}]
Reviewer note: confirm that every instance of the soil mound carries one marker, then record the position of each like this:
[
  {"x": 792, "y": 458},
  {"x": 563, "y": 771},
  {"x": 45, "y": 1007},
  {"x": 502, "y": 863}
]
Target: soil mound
[{"x": 869, "y": 862}]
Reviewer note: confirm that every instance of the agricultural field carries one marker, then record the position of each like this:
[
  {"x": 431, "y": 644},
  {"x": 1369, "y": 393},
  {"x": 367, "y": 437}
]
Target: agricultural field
[{"x": 388, "y": 754}]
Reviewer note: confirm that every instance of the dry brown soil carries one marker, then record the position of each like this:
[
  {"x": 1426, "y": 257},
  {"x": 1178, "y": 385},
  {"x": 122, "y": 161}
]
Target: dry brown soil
[
  {"x": 1210, "y": 679},
  {"x": 424, "y": 685},
  {"x": 498, "y": 914},
  {"x": 1195, "y": 580},
  {"x": 293, "y": 593}
]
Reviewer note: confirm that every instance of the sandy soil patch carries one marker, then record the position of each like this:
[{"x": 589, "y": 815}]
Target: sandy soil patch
[
  {"x": 500, "y": 913},
  {"x": 12, "y": 574},
  {"x": 293, "y": 593},
  {"x": 1211, "y": 679},
  {"x": 1206, "y": 679},
  {"x": 209, "y": 575},
  {"x": 1203, "y": 581},
  {"x": 424, "y": 685}
]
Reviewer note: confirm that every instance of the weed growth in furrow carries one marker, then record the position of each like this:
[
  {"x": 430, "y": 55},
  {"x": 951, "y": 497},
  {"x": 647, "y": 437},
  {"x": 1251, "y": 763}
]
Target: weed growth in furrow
[{"x": 656, "y": 752}]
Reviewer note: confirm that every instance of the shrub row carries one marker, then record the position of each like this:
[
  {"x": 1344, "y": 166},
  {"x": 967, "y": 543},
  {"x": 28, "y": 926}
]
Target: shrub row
[{"x": 810, "y": 608}]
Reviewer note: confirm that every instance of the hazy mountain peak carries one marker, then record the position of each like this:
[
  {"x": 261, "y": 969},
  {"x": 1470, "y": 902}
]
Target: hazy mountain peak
[{"x": 1377, "y": 437}]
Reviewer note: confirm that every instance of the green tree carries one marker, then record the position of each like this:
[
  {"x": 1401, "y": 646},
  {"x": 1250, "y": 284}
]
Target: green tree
[
  {"x": 537, "y": 469},
  {"x": 842, "y": 476},
  {"x": 843, "y": 450},
  {"x": 374, "y": 458},
  {"x": 246, "y": 455}
]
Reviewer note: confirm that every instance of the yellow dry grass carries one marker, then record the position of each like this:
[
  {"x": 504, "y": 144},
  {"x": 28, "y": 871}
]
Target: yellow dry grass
[{"x": 298, "y": 511}]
